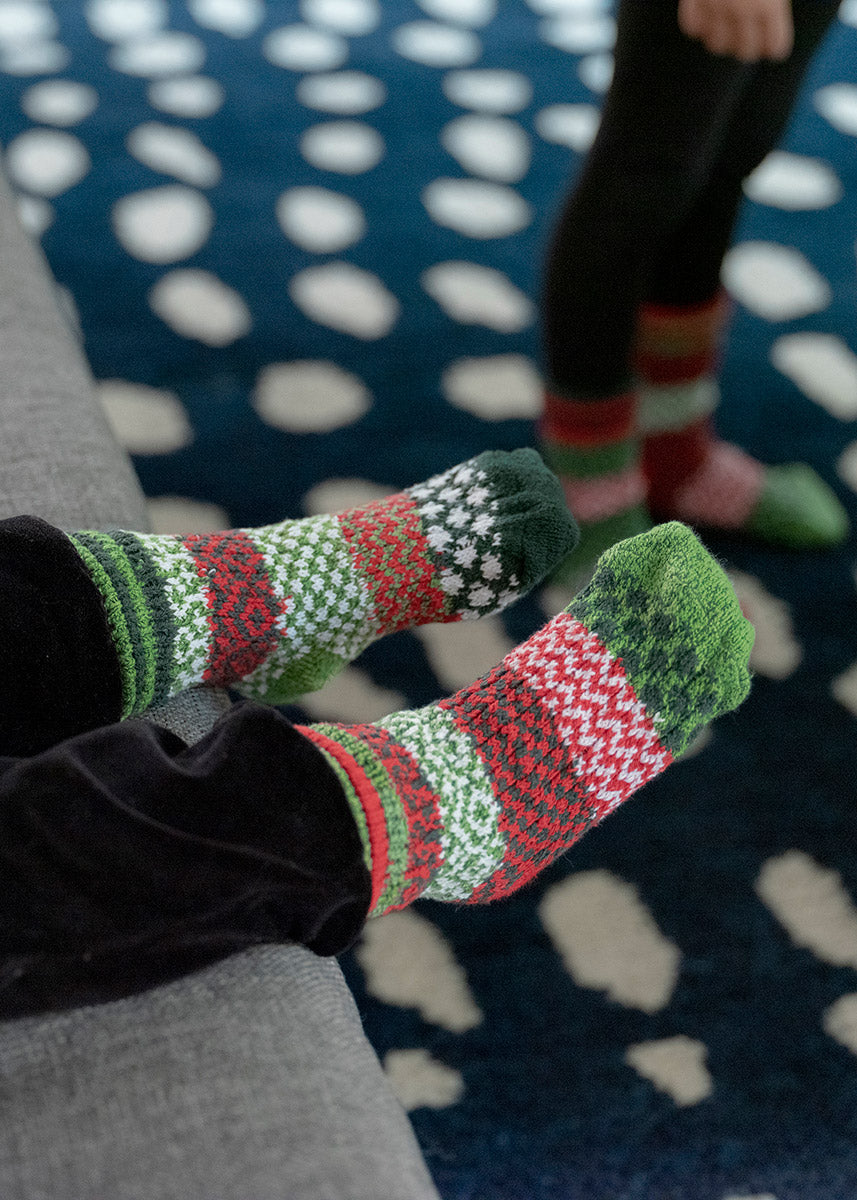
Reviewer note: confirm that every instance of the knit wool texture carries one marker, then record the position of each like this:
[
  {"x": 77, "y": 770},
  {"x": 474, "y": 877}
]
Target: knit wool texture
[
  {"x": 468, "y": 799},
  {"x": 279, "y": 610}
]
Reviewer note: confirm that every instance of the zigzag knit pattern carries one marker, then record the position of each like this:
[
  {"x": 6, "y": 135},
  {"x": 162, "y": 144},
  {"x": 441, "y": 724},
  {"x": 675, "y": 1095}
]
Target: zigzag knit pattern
[
  {"x": 280, "y": 609},
  {"x": 468, "y": 799}
]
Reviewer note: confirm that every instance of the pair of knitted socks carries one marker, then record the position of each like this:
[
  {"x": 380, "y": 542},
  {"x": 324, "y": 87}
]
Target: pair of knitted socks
[
  {"x": 466, "y": 799},
  {"x": 652, "y": 452}
]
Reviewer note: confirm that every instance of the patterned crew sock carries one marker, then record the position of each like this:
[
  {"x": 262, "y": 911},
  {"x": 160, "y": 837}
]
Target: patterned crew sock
[
  {"x": 692, "y": 474},
  {"x": 468, "y": 799},
  {"x": 276, "y": 610},
  {"x": 592, "y": 446}
]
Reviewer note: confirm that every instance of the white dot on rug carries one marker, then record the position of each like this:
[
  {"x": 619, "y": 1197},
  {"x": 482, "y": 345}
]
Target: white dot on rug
[
  {"x": 198, "y": 305},
  {"x": 59, "y": 102},
  {"x": 839, "y": 1021},
  {"x": 572, "y": 125},
  {"x": 319, "y": 220},
  {"x": 310, "y": 397},
  {"x": 116, "y": 20},
  {"x": 347, "y": 298},
  {"x": 476, "y": 208},
  {"x": 823, "y": 367},
  {"x": 47, "y": 161},
  {"x": 436, "y": 45},
  {"x": 493, "y": 147},
  {"x": 464, "y": 650},
  {"x": 419, "y": 1081},
  {"x": 352, "y": 696},
  {"x": 837, "y": 103},
  {"x": 164, "y": 224},
  {"x": 407, "y": 961},
  {"x": 235, "y": 18},
  {"x": 794, "y": 182},
  {"x": 559, "y": 7},
  {"x": 35, "y": 214},
  {"x": 174, "y": 151},
  {"x": 21, "y": 21},
  {"x": 353, "y": 18},
  {"x": 501, "y": 387},
  {"x": 336, "y": 495},
  {"x": 465, "y": 12},
  {"x": 608, "y": 940},
  {"x": 596, "y": 72},
  {"x": 344, "y": 92},
  {"x": 181, "y": 515},
  {"x": 775, "y": 282},
  {"x": 33, "y": 58},
  {"x": 580, "y": 33},
  {"x": 301, "y": 48},
  {"x": 161, "y": 54},
  {"x": 145, "y": 420},
  {"x": 488, "y": 90},
  {"x": 846, "y": 465},
  {"x": 477, "y": 295},
  {"x": 775, "y": 654},
  {"x": 190, "y": 96},
  {"x": 346, "y": 147},
  {"x": 676, "y": 1066},
  {"x": 812, "y": 904}
]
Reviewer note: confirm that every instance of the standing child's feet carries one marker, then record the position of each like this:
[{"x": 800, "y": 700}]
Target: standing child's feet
[
  {"x": 102, "y": 626},
  {"x": 468, "y": 799}
]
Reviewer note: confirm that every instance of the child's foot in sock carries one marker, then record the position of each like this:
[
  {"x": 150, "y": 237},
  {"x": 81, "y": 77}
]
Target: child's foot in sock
[
  {"x": 592, "y": 447},
  {"x": 468, "y": 799},
  {"x": 110, "y": 624}
]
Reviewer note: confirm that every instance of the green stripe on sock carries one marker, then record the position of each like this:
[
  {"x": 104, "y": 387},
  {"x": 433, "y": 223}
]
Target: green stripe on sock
[
  {"x": 116, "y": 619},
  {"x": 353, "y": 803},
  {"x": 584, "y": 462},
  {"x": 397, "y": 826},
  {"x": 160, "y": 613}
]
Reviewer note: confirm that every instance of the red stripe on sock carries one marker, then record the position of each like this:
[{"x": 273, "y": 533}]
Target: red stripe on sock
[
  {"x": 421, "y": 807},
  {"x": 671, "y": 458},
  {"x": 588, "y": 422},
  {"x": 680, "y": 343},
  {"x": 370, "y": 802},
  {"x": 244, "y": 612},
  {"x": 387, "y": 543},
  {"x": 677, "y": 369}
]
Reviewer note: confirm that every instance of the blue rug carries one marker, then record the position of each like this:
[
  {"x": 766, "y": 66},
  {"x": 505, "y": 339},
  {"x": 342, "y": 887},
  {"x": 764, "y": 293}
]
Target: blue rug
[{"x": 301, "y": 243}]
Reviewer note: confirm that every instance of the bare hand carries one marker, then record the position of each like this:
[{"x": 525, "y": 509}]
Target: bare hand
[{"x": 748, "y": 30}]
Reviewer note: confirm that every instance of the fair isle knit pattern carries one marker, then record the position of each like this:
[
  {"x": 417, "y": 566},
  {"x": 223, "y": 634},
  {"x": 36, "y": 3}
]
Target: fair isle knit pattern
[
  {"x": 279, "y": 610},
  {"x": 492, "y": 784}
]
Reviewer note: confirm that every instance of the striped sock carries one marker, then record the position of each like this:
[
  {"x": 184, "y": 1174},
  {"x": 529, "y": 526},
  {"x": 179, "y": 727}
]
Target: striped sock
[
  {"x": 280, "y": 609},
  {"x": 695, "y": 476},
  {"x": 468, "y": 799},
  {"x": 593, "y": 447}
]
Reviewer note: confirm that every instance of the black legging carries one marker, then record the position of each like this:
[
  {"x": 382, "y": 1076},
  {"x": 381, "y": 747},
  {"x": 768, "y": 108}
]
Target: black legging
[
  {"x": 652, "y": 214},
  {"x": 128, "y": 858}
]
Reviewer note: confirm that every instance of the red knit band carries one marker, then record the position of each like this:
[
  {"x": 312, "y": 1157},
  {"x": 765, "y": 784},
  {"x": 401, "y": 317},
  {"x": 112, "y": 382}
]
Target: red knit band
[
  {"x": 588, "y": 422},
  {"x": 670, "y": 458},
  {"x": 674, "y": 368},
  {"x": 370, "y": 802}
]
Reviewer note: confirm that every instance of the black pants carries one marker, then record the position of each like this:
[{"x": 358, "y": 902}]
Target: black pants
[
  {"x": 128, "y": 858},
  {"x": 652, "y": 214}
]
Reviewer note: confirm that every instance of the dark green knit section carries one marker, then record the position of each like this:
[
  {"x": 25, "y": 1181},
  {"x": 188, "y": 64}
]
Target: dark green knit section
[
  {"x": 115, "y": 613},
  {"x": 591, "y": 462},
  {"x": 158, "y": 606},
  {"x": 797, "y": 509},
  {"x": 663, "y": 606}
]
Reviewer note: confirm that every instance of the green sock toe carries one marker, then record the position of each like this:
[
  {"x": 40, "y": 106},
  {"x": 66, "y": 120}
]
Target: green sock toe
[
  {"x": 577, "y": 568},
  {"x": 798, "y": 510},
  {"x": 665, "y": 607}
]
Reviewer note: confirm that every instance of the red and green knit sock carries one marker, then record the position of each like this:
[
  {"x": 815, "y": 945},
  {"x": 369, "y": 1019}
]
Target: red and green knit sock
[
  {"x": 692, "y": 474},
  {"x": 593, "y": 447},
  {"x": 468, "y": 799},
  {"x": 280, "y": 609}
]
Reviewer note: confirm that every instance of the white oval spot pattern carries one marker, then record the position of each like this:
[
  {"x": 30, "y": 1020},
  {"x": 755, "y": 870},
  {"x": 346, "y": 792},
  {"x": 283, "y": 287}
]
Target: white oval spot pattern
[
  {"x": 436, "y": 45},
  {"x": 345, "y": 147},
  {"x": 162, "y": 54},
  {"x": 676, "y": 1066},
  {"x": 180, "y": 515},
  {"x": 320, "y": 220},
  {"x": 145, "y": 420},
  {"x": 493, "y": 147},
  {"x": 477, "y": 208},
  {"x": 348, "y": 93},
  {"x": 198, "y": 305},
  {"x": 346, "y": 298},
  {"x": 775, "y": 654},
  {"x": 572, "y": 125},
  {"x": 163, "y": 225},
  {"x": 477, "y": 295},
  {"x": 175, "y": 152},
  {"x": 352, "y": 696},
  {"x": 488, "y": 90},
  {"x": 47, "y": 161},
  {"x": 823, "y": 367},
  {"x": 420, "y": 1081},
  {"x": 310, "y": 397},
  {"x": 794, "y": 182},
  {"x": 336, "y": 495},
  {"x": 235, "y": 18},
  {"x": 354, "y": 18},
  {"x": 187, "y": 96},
  {"x": 464, "y": 12},
  {"x": 775, "y": 282},
  {"x": 302, "y": 48},
  {"x": 59, "y": 102},
  {"x": 837, "y": 103},
  {"x": 118, "y": 20},
  {"x": 463, "y": 651},
  {"x": 501, "y": 387},
  {"x": 580, "y": 33}
]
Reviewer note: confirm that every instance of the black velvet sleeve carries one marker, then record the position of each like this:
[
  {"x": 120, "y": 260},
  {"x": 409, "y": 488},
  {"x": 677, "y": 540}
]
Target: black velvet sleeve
[
  {"x": 59, "y": 670},
  {"x": 129, "y": 858}
]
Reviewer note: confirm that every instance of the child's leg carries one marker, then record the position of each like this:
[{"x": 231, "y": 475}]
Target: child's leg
[
  {"x": 663, "y": 117},
  {"x": 691, "y": 474},
  {"x": 161, "y": 857},
  {"x": 277, "y": 610}
]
